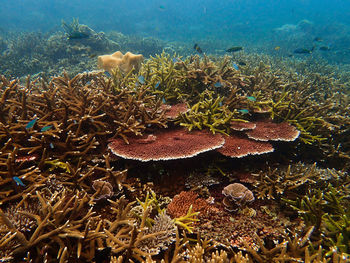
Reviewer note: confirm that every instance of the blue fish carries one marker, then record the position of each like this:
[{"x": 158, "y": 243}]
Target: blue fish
[
  {"x": 244, "y": 111},
  {"x": 157, "y": 84},
  {"x": 217, "y": 85},
  {"x": 235, "y": 66},
  {"x": 18, "y": 181},
  {"x": 46, "y": 128},
  {"x": 31, "y": 123},
  {"x": 163, "y": 100},
  {"x": 107, "y": 74},
  {"x": 251, "y": 98},
  {"x": 51, "y": 145},
  {"x": 141, "y": 79}
]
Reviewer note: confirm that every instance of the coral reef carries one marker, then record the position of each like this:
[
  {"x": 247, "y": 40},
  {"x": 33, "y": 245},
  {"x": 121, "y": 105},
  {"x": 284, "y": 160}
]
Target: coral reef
[{"x": 83, "y": 162}]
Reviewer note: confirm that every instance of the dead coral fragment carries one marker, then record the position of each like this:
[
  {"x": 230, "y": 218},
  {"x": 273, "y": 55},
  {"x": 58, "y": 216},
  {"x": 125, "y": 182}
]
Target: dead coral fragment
[
  {"x": 236, "y": 195},
  {"x": 269, "y": 131},
  {"x": 238, "y": 147},
  {"x": 168, "y": 145}
]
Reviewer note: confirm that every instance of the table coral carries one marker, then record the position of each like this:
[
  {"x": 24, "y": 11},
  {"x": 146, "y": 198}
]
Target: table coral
[{"x": 168, "y": 144}]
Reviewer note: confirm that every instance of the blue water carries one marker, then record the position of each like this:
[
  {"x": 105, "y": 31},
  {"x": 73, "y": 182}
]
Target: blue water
[{"x": 252, "y": 23}]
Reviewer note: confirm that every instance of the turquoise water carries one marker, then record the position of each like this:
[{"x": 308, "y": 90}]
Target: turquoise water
[{"x": 257, "y": 25}]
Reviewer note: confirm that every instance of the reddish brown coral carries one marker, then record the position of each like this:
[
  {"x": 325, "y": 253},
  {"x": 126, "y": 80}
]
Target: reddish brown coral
[
  {"x": 174, "y": 110},
  {"x": 181, "y": 203},
  {"x": 167, "y": 145},
  {"x": 242, "y": 126},
  {"x": 269, "y": 131},
  {"x": 236, "y": 146}
]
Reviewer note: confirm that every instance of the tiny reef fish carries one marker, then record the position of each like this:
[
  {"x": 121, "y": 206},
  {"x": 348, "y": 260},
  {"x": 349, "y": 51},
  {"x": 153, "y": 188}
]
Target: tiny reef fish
[
  {"x": 46, "y": 128},
  {"x": 277, "y": 48},
  {"x": 31, "y": 123},
  {"x": 218, "y": 84},
  {"x": 141, "y": 79},
  {"x": 157, "y": 84},
  {"x": 244, "y": 111},
  {"x": 318, "y": 39},
  {"x": 242, "y": 63},
  {"x": 77, "y": 35},
  {"x": 325, "y": 48},
  {"x": 235, "y": 66},
  {"x": 251, "y": 98},
  {"x": 197, "y": 48},
  {"x": 234, "y": 49},
  {"x": 18, "y": 181}
]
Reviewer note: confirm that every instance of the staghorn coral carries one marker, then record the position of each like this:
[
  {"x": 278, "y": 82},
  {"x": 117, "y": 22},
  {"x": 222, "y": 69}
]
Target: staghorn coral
[
  {"x": 62, "y": 223},
  {"x": 293, "y": 180}
]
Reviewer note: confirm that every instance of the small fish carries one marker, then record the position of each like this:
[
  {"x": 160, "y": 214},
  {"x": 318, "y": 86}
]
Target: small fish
[
  {"x": 141, "y": 79},
  {"x": 46, "y": 128},
  {"x": 162, "y": 7},
  {"x": 218, "y": 84},
  {"x": 157, "y": 85},
  {"x": 277, "y": 48},
  {"x": 198, "y": 49},
  {"x": 93, "y": 55},
  {"x": 251, "y": 98},
  {"x": 318, "y": 39},
  {"x": 176, "y": 60},
  {"x": 108, "y": 74},
  {"x": 234, "y": 49},
  {"x": 163, "y": 100},
  {"x": 325, "y": 48},
  {"x": 242, "y": 63},
  {"x": 235, "y": 66},
  {"x": 51, "y": 145},
  {"x": 18, "y": 181},
  {"x": 31, "y": 123},
  {"x": 303, "y": 51},
  {"x": 244, "y": 111},
  {"x": 77, "y": 35}
]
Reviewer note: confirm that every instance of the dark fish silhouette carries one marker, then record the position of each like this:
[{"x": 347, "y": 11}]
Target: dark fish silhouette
[
  {"x": 318, "y": 39},
  {"x": 198, "y": 49},
  {"x": 325, "y": 48},
  {"x": 77, "y": 35},
  {"x": 303, "y": 50},
  {"x": 234, "y": 49}
]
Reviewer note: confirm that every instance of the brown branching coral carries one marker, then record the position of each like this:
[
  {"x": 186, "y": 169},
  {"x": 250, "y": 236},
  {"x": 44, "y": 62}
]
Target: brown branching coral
[
  {"x": 62, "y": 223},
  {"x": 293, "y": 179}
]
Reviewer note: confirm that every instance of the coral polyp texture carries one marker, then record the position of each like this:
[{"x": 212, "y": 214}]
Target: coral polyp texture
[
  {"x": 167, "y": 144},
  {"x": 174, "y": 159}
]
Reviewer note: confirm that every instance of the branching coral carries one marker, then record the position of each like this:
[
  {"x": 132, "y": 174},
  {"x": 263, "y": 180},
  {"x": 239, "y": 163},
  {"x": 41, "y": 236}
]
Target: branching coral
[{"x": 294, "y": 179}]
